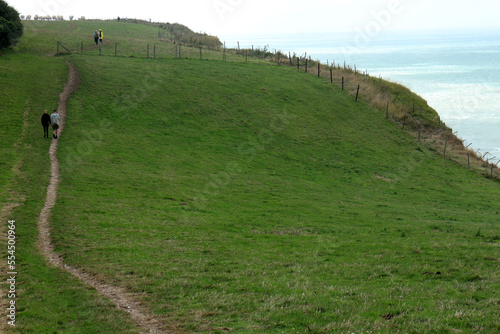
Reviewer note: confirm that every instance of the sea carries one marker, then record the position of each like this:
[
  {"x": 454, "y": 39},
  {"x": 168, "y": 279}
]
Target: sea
[{"x": 456, "y": 71}]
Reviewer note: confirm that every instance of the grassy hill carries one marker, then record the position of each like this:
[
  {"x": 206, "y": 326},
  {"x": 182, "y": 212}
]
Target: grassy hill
[{"x": 236, "y": 196}]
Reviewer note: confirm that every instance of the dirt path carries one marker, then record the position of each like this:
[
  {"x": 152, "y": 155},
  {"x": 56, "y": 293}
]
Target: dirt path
[{"x": 123, "y": 300}]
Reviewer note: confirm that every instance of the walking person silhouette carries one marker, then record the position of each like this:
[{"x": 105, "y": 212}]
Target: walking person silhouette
[{"x": 45, "y": 123}]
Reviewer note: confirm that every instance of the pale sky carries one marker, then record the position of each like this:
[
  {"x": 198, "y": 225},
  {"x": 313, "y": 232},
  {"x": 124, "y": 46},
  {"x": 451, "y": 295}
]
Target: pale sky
[{"x": 247, "y": 17}]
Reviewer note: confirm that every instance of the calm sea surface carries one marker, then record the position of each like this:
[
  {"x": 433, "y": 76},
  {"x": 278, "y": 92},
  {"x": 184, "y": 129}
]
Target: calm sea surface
[{"x": 458, "y": 73}]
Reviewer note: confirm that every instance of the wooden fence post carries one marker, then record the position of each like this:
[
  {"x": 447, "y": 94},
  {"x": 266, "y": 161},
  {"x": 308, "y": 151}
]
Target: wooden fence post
[
  {"x": 306, "y": 65},
  {"x": 357, "y": 93},
  {"x": 445, "y": 144},
  {"x": 331, "y": 75},
  {"x": 387, "y": 110},
  {"x": 319, "y": 69},
  {"x": 397, "y": 94},
  {"x": 342, "y": 83},
  {"x": 201, "y": 55}
]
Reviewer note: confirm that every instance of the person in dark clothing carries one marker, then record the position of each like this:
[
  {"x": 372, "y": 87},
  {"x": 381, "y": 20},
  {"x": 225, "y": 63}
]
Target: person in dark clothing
[{"x": 45, "y": 123}]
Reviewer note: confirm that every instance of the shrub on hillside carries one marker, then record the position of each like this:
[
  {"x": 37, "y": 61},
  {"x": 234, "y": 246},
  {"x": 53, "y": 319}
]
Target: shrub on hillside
[
  {"x": 11, "y": 28},
  {"x": 178, "y": 33}
]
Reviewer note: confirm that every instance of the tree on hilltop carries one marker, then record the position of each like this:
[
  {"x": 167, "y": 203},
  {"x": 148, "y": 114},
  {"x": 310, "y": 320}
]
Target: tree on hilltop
[{"x": 11, "y": 27}]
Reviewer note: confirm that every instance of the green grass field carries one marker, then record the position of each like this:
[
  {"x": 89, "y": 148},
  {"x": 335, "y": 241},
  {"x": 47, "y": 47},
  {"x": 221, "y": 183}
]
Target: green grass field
[{"x": 237, "y": 197}]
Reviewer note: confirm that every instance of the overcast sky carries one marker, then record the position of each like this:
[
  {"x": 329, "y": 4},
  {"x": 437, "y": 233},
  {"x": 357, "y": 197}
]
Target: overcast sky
[{"x": 246, "y": 17}]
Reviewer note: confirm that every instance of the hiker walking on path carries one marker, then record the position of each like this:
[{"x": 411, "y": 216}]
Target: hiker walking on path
[
  {"x": 54, "y": 119},
  {"x": 96, "y": 37},
  {"x": 100, "y": 36},
  {"x": 45, "y": 122}
]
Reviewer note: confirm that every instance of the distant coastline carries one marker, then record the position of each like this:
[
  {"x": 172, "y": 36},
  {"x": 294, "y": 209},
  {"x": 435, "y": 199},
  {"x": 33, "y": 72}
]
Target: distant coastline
[{"x": 456, "y": 71}]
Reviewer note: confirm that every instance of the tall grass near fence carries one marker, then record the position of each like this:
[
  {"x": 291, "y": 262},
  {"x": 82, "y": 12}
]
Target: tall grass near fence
[{"x": 398, "y": 104}]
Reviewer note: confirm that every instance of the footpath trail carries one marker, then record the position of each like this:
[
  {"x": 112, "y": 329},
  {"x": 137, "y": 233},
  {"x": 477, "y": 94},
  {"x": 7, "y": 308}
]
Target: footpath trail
[{"x": 123, "y": 300}]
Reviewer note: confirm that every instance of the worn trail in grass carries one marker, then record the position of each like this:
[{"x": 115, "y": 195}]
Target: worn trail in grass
[
  {"x": 30, "y": 84},
  {"x": 118, "y": 296}
]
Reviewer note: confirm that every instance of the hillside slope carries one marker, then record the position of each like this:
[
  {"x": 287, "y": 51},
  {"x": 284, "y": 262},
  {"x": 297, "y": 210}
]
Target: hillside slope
[{"x": 234, "y": 196}]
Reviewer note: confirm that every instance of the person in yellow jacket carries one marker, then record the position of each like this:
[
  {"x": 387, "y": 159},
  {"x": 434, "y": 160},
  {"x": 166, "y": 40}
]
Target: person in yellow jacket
[{"x": 100, "y": 36}]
